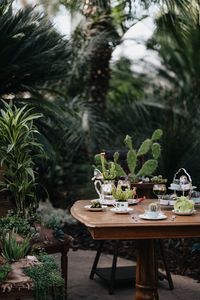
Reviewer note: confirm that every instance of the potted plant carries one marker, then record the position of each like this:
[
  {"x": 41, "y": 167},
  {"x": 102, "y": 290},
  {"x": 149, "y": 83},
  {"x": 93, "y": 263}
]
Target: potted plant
[
  {"x": 122, "y": 196},
  {"x": 105, "y": 175},
  {"x": 141, "y": 163}
]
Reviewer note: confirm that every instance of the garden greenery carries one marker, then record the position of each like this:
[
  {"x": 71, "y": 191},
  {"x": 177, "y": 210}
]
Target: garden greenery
[
  {"x": 45, "y": 277},
  {"x": 18, "y": 150},
  {"x": 12, "y": 250}
]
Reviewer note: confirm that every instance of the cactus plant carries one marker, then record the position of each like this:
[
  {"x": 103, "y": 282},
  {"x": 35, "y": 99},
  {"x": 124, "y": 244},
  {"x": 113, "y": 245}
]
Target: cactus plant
[
  {"x": 153, "y": 207},
  {"x": 109, "y": 170},
  {"x": 150, "y": 147}
]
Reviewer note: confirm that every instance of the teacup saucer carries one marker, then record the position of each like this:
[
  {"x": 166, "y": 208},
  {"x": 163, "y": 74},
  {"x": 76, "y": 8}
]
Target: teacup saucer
[
  {"x": 159, "y": 217},
  {"x": 184, "y": 213},
  {"x": 88, "y": 207},
  {"x": 118, "y": 211}
]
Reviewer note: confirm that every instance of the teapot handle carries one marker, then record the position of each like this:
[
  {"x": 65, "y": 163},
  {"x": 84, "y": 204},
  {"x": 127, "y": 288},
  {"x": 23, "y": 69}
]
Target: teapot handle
[{"x": 98, "y": 185}]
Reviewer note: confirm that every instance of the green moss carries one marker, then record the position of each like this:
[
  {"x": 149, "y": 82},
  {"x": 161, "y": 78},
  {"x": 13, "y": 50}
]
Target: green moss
[{"x": 46, "y": 277}]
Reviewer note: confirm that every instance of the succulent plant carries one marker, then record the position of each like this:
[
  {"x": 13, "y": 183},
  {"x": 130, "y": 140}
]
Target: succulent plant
[
  {"x": 158, "y": 179},
  {"x": 13, "y": 250},
  {"x": 122, "y": 195},
  {"x": 183, "y": 204},
  {"x": 150, "y": 147},
  {"x": 153, "y": 207}
]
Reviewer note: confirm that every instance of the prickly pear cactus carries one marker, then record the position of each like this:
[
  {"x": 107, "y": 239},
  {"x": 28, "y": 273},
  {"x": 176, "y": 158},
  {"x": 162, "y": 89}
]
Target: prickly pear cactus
[{"x": 148, "y": 147}]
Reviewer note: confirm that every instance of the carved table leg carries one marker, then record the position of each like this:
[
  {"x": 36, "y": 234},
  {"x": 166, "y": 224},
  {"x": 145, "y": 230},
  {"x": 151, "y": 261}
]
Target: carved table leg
[
  {"x": 146, "y": 271},
  {"x": 64, "y": 267}
]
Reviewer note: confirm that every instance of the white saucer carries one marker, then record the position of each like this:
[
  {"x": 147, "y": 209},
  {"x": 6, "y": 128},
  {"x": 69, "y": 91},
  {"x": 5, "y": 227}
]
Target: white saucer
[
  {"x": 185, "y": 213},
  {"x": 88, "y": 207},
  {"x": 159, "y": 217},
  {"x": 105, "y": 202},
  {"x": 132, "y": 201},
  {"x": 117, "y": 211}
]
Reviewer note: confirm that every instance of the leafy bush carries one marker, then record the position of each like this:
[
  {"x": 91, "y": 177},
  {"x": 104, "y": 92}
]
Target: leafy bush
[
  {"x": 18, "y": 149},
  {"x": 22, "y": 226}
]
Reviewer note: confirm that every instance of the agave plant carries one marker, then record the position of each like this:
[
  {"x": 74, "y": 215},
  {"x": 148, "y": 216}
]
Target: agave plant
[
  {"x": 18, "y": 150},
  {"x": 13, "y": 250}
]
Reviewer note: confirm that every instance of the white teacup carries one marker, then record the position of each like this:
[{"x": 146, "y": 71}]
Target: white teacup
[
  {"x": 121, "y": 205},
  {"x": 152, "y": 214}
]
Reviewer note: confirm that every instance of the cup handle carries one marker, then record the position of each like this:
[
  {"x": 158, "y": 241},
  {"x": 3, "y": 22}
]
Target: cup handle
[{"x": 98, "y": 189}]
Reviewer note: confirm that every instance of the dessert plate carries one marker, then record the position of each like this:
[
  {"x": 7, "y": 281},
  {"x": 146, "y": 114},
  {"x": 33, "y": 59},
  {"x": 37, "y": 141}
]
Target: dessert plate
[
  {"x": 88, "y": 207},
  {"x": 118, "y": 211},
  {"x": 159, "y": 217},
  {"x": 185, "y": 213}
]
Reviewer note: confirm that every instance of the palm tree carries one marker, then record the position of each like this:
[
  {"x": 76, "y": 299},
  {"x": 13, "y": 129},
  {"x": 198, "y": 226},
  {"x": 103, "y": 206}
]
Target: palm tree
[
  {"x": 32, "y": 52},
  {"x": 176, "y": 39}
]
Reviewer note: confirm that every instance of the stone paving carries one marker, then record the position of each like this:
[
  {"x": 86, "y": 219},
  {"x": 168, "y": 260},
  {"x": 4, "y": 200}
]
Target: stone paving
[{"x": 81, "y": 287}]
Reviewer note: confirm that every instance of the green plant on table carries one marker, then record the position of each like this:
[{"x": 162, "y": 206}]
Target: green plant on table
[
  {"x": 106, "y": 168},
  {"x": 122, "y": 195},
  {"x": 149, "y": 147},
  {"x": 18, "y": 150},
  {"x": 12, "y": 250}
]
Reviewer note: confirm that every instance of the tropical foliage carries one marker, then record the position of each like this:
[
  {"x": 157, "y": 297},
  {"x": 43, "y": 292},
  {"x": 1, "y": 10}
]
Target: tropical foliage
[
  {"x": 32, "y": 52},
  {"x": 18, "y": 150}
]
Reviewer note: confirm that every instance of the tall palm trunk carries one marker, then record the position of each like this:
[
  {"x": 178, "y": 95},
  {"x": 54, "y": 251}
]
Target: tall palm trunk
[{"x": 98, "y": 29}]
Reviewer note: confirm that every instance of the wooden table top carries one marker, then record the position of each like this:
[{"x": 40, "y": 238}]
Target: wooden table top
[{"x": 108, "y": 225}]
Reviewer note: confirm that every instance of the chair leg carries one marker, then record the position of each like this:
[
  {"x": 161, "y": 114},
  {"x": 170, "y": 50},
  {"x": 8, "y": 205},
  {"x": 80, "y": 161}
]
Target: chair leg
[
  {"x": 168, "y": 274},
  {"x": 113, "y": 269},
  {"x": 96, "y": 260}
]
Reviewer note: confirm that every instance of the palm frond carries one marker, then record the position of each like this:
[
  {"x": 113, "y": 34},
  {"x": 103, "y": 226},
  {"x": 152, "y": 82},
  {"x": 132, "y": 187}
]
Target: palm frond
[{"x": 31, "y": 53}]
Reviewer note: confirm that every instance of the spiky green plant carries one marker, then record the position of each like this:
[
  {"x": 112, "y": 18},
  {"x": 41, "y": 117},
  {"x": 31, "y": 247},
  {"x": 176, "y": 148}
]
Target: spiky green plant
[
  {"x": 18, "y": 150},
  {"x": 149, "y": 146},
  {"x": 120, "y": 195},
  {"x": 13, "y": 250}
]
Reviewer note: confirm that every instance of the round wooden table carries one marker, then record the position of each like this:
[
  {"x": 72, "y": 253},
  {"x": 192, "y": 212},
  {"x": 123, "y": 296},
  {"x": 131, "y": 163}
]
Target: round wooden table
[{"x": 106, "y": 225}]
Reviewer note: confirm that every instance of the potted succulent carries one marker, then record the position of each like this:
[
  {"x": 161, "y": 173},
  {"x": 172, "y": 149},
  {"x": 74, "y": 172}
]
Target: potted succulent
[
  {"x": 105, "y": 175},
  {"x": 122, "y": 196}
]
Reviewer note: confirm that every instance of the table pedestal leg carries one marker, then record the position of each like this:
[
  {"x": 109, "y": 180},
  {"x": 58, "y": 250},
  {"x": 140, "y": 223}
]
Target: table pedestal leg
[{"x": 146, "y": 271}]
